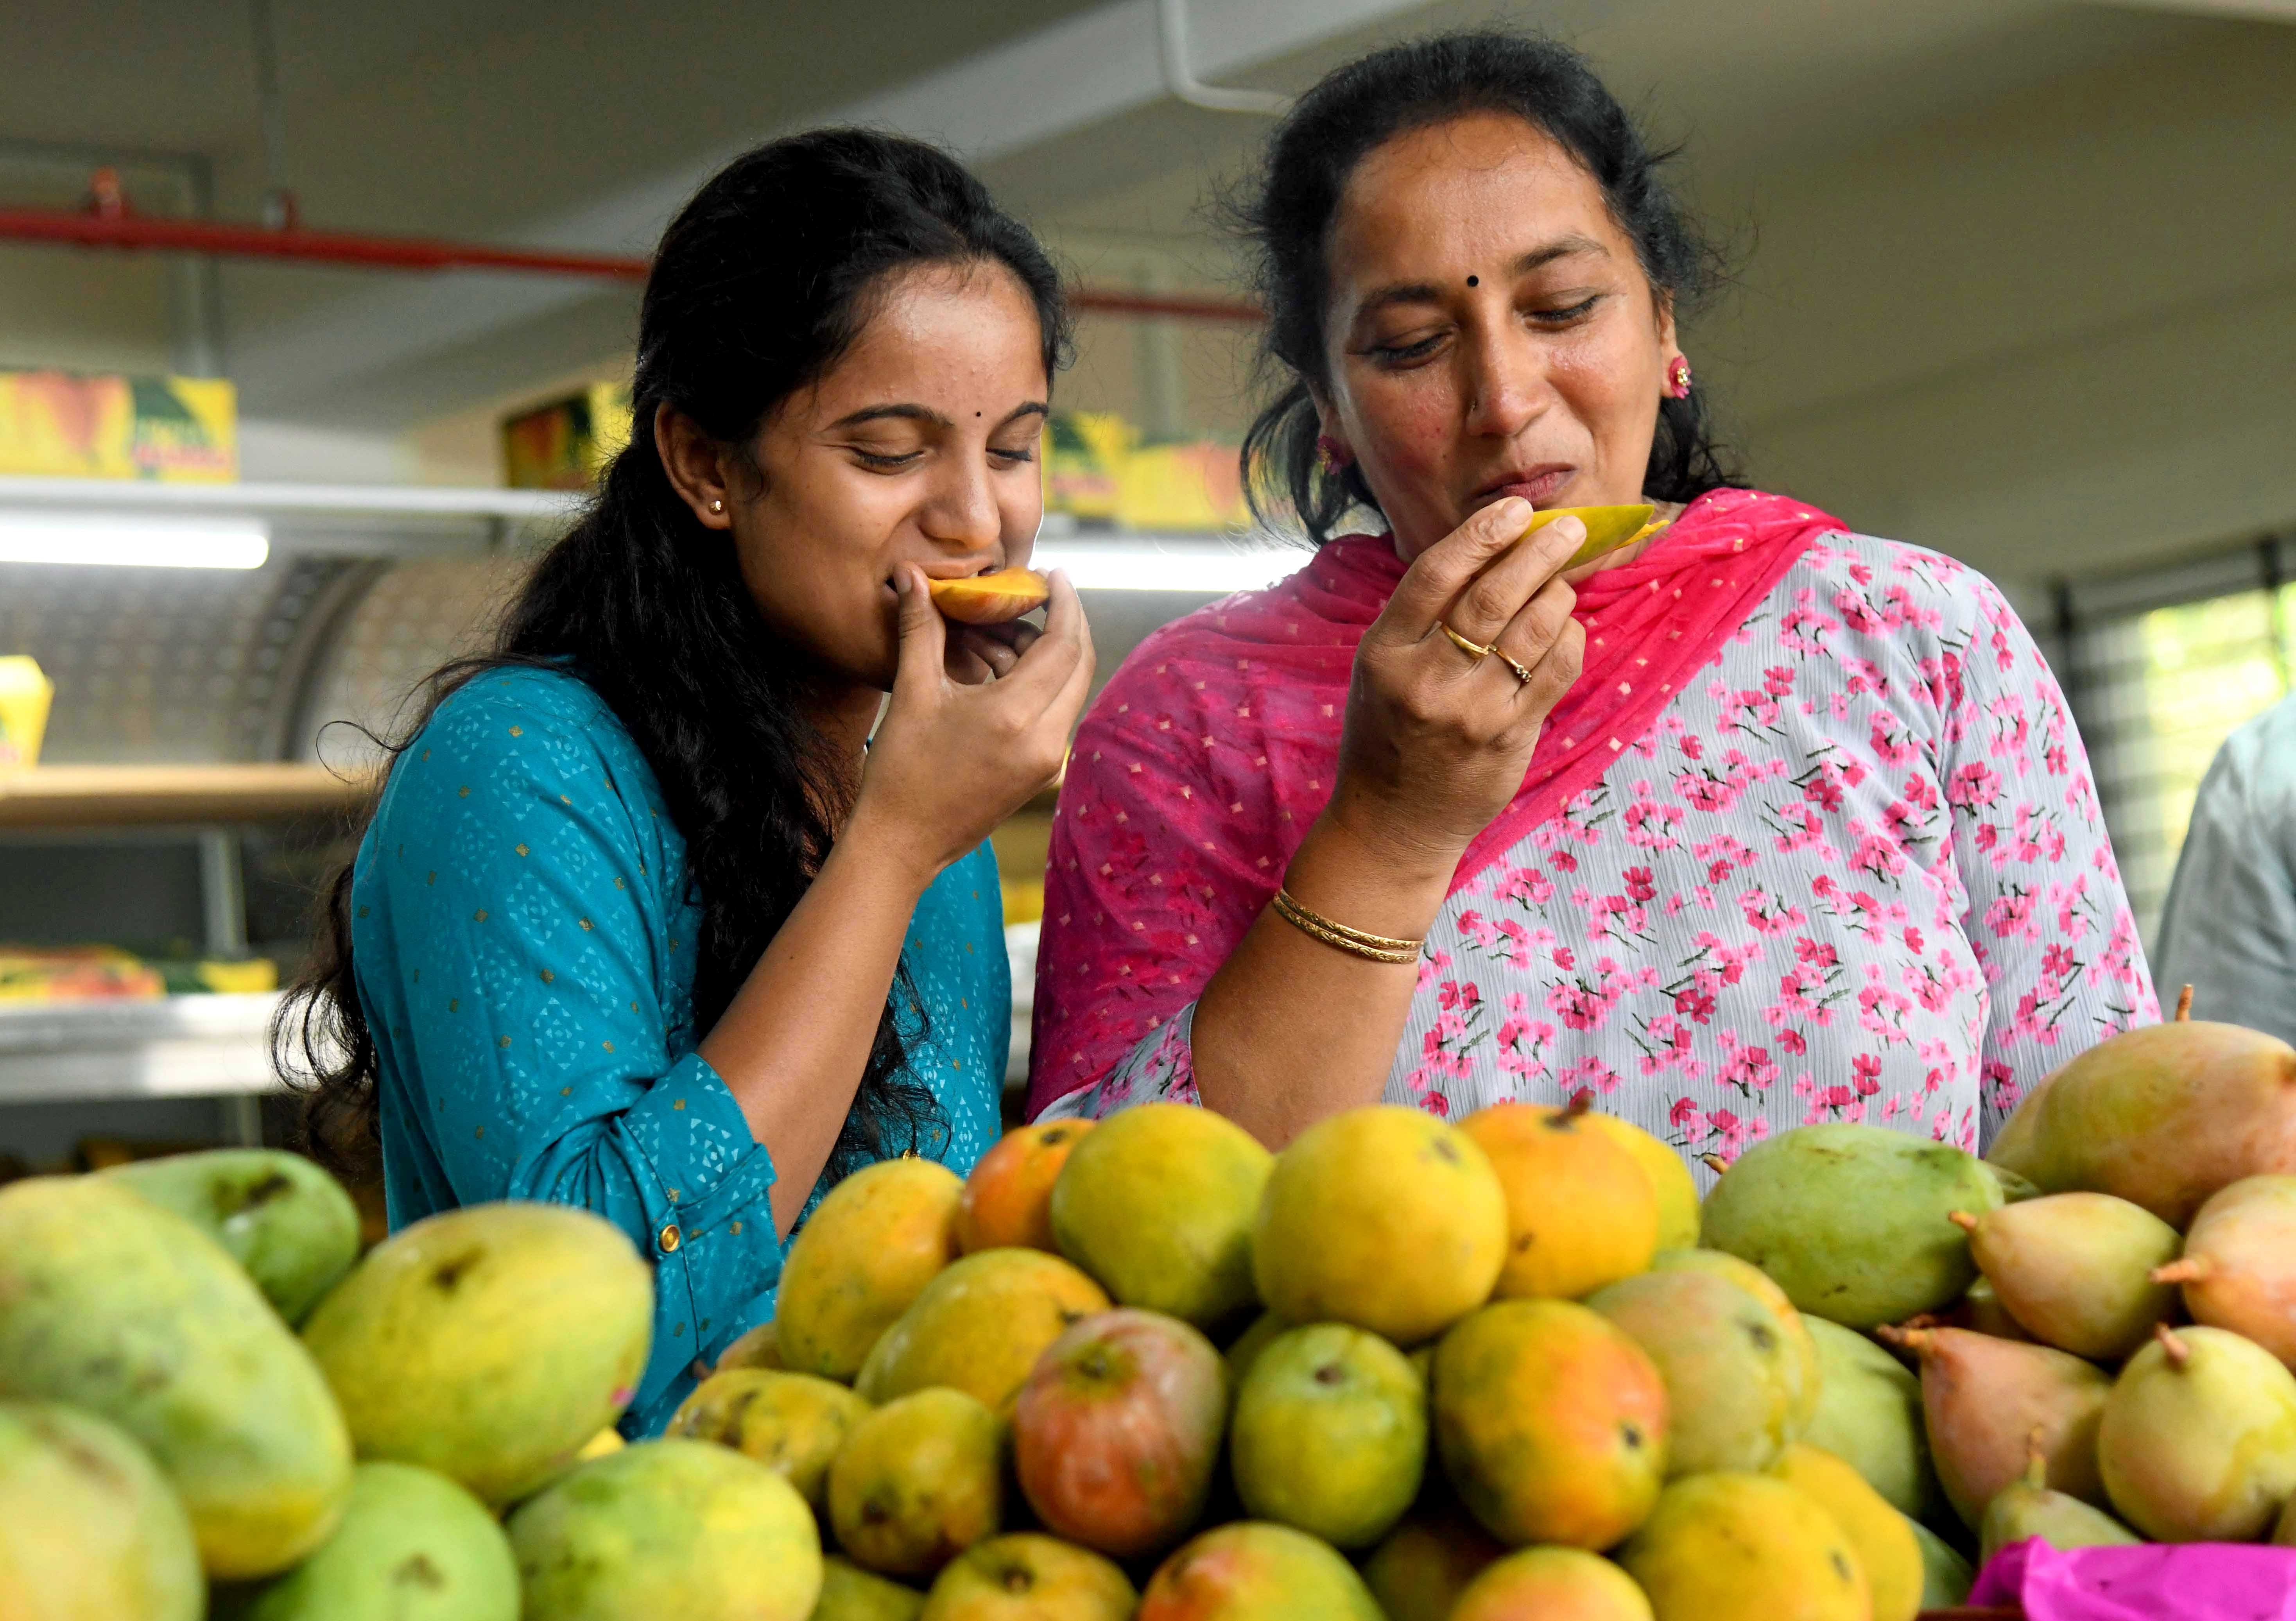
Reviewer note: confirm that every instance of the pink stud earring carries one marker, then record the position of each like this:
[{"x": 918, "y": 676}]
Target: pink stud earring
[
  {"x": 1677, "y": 378},
  {"x": 1331, "y": 456}
]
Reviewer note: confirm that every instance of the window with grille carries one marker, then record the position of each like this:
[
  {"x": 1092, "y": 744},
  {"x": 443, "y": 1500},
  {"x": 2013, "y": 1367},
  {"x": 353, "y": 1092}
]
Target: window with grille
[{"x": 2158, "y": 668}]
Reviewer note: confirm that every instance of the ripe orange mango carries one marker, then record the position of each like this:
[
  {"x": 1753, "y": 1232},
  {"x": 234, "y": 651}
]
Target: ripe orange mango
[
  {"x": 1669, "y": 1179},
  {"x": 1581, "y": 1212},
  {"x": 1552, "y": 1423},
  {"x": 1007, "y": 1202}
]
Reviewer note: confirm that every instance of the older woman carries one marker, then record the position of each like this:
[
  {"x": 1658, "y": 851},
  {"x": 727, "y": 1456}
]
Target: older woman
[{"x": 1757, "y": 822}]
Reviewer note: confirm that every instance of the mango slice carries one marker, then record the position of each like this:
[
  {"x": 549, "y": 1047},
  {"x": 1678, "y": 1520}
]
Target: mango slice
[
  {"x": 988, "y": 599},
  {"x": 1608, "y": 528}
]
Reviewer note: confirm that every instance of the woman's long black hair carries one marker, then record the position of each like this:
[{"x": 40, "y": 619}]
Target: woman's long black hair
[
  {"x": 762, "y": 282},
  {"x": 1352, "y": 112}
]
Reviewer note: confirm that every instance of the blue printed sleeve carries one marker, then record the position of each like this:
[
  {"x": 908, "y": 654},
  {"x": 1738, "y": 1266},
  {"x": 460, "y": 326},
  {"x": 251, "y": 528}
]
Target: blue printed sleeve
[{"x": 525, "y": 953}]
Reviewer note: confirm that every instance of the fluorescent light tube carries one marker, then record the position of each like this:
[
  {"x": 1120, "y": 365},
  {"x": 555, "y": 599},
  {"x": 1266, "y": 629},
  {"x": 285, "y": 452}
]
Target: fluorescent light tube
[
  {"x": 1211, "y": 568},
  {"x": 134, "y": 543}
]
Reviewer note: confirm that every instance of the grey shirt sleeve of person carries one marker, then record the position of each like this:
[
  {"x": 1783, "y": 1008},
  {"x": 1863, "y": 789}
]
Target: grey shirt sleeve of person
[{"x": 2229, "y": 929}]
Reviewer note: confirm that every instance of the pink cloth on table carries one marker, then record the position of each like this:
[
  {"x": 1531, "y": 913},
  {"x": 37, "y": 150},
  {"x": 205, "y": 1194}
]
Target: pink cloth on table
[
  {"x": 2189, "y": 1581},
  {"x": 1650, "y": 625}
]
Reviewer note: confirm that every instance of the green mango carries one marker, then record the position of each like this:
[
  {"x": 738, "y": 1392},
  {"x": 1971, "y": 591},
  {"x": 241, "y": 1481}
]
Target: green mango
[
  {"x": 2074, "y": 1270},
  {"x": 414, "y": 1546},
  {"x": 1330, "y": 1433},
  {"x": 1730, "y": 1378},
  {"x": 850, "y": 1593},
  {"x": 281, "y": 1217},
  {"x": 1869, "y": 1414},
  {"x": 2162, "y": 1117},
  {"x": 113, "y": 1304},
  {"x": 2199, "y": 1439},
  {"x": 1946, "y": 1576},
  {"x": 489, "y": 1343},
  {"x": 2028, "y": 1508},
  {"x": 678, "y": 1529},
  {"x": 88, "y": 1525},
  {"x": 1854, "y": 1222}
]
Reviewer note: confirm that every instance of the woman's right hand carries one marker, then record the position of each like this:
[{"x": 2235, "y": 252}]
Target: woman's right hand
[
  {"x": 953, "y": 759},
  {"x": 1436, "y": 741}
]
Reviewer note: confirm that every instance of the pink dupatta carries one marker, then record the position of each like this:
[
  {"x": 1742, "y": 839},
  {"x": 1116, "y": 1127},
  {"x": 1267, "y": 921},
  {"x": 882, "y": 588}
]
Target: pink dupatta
[{"x": 1208, "y": 754}]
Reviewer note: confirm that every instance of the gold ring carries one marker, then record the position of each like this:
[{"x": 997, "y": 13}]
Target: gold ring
[
  {"x": 1473, "y": 650},
  {"x": 1521, "y": 674}
]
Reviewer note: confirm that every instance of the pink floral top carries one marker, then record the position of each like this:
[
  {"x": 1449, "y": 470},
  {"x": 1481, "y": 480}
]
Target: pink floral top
[{"x": 1855, "y": 869}]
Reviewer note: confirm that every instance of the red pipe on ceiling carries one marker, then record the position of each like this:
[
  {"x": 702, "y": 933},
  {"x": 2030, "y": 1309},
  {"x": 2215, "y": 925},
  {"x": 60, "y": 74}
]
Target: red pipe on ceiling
[{"x": 137, "y": 232}]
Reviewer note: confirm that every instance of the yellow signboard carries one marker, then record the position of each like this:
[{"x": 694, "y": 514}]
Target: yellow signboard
[
  {"x": 1098, "y": 471},
  {"x": 168, "y": 430},
  {"x": 566, "y": 444}
]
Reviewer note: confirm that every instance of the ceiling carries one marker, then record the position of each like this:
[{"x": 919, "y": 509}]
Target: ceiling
[{"x": 1914, "y": 191}]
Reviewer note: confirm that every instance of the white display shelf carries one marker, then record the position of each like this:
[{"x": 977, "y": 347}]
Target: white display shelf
[{"x": 169, "y": 1047}]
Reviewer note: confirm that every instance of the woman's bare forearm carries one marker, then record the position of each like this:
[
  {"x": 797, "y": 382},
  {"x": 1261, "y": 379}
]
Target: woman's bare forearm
[
  {"x": 1291, "y": 1030},
  {"x": 794, "y": 1042}
]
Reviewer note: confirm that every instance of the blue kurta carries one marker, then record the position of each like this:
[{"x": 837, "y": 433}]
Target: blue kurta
[{"x": 524, "y": 941}]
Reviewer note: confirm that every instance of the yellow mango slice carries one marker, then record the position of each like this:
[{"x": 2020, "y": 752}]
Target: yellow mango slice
[
  {"x": 1608, "y": 528},
  {"x": 988, "y": 599}
]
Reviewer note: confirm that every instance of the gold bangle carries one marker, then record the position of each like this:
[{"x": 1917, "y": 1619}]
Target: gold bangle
[{"x": 1355, "y": 942}]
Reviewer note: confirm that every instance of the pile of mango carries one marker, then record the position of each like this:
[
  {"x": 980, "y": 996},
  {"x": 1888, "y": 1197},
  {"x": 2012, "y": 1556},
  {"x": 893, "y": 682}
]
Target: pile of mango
[{"x": 1503, "y": 1370}]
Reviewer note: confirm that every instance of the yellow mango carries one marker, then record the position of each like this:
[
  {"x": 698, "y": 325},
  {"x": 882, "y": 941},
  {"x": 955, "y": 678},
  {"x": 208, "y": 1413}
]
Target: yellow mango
[
  {"x": 792, "y": 1423},
  {"x": 979, "y": 1327},
  {"x": 1553, "y": 1585},
  {"x": 867, "y": 1251},
  {"x": 1736, "y": 1547},
  {"x": 918, "y": 1482},
  {"x": 1882, "y": 1537},
  {"x": 672, "y": 1528},
  {"x": 89, "y": 1529},
  {"x": 1157, "y": 1204},
  {"x": 489, "y": 1343},
  {"x": 1383, "y": 1217},
  {"x": 112, "y": 1304},
  {"x": 1608, "y": 528},
  {"x": 1028, "y": 1577}
]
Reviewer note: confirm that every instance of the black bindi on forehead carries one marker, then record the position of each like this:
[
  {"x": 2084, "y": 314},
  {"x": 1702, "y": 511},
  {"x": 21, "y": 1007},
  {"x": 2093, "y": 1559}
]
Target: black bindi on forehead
[{"x": 1474, "y": 280}]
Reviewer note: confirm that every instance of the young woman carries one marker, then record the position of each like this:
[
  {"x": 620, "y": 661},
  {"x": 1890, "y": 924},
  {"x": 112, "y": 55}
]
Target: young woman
[
  {"x": 639, "y": 925},
  {"x": 1757, "y": 822}
]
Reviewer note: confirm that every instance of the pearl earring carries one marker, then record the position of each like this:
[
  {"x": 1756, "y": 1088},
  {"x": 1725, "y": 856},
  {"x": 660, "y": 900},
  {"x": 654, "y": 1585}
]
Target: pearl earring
[{"x": 716, "y": 505}]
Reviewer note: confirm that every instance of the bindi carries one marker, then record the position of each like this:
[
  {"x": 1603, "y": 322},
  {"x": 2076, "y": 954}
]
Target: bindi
[{"x": 1474, "y": 280}]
